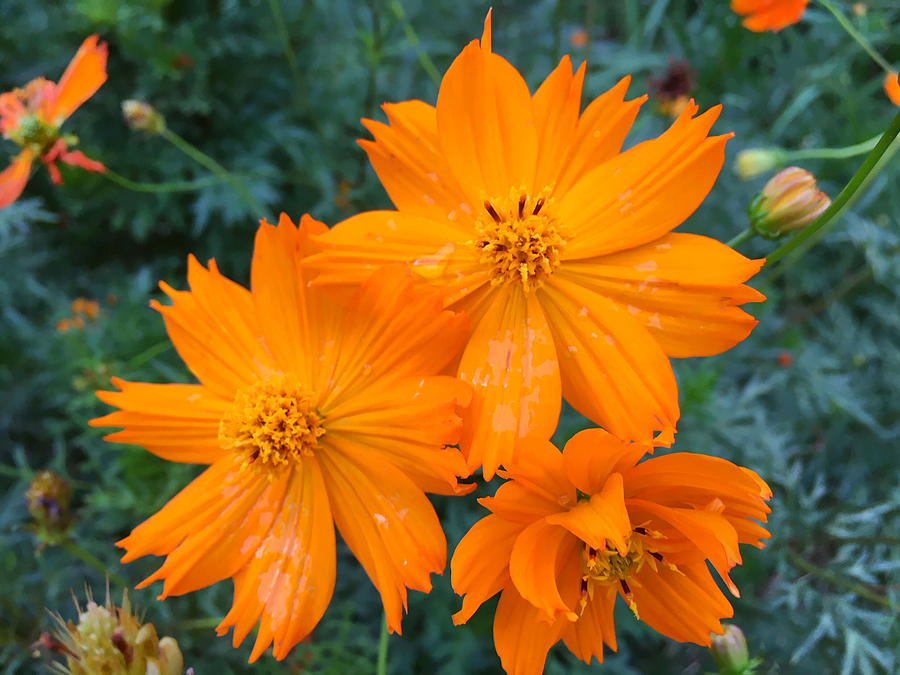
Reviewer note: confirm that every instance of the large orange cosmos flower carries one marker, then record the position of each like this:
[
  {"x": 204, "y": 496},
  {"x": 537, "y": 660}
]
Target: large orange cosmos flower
[
  {"x": 31, "y": 117},
  {"x": 310, "y": 415},
  {"x": 773, "y": 15},
  {"x": 569, "y": 532},
  {"x": 557, "y": 246}
]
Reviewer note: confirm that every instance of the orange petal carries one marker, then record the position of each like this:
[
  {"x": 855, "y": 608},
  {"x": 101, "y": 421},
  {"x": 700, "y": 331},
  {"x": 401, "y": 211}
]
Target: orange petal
[
  {"x": 178, "y": 422},
  {"x": 645, "y": 192},
  {"x": 683, "y": 287},
  {"x": 289, "y": 580},
  {"x": 522, "y": 635},
  {"x": 485, "y": 124},
  {"x": 585, "y": 637},
  {"x": 437, "y": 250},
  {"x": 406, "y": 156},
  {"x": 538, "y": 557},
  {"x": 601, "y": 519},
  {"x": 599, "y": 134},
  {"x": 14, "y": 177},
  {"x": 84, "y": 75},
  {"x": 892, "y": 87},
  {"x": 511, "y": 362},
  {"x": 214, "y": 330},
  {"x": 79, "y": 159},
  {"x": 557, "y": 103},
  {"x": 480, "y": 564},
  {"x": 391, "y": 331},
  {"x": 770, "y": 15},
  {"x": 388, "y": 524},
  {"x": 592, "y": 455},
  {"x": 674, "y": 603},
  {"x": 412, "y": 423},
  {"x": 613, "y": 371}
]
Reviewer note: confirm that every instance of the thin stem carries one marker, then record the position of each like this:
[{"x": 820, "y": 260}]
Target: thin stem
[
  {"x": 410, "y": 32},
  {"x": 208, "y": 162},
  {"x": 171, "y": 186},
  {"x": 590, "y": 11},
  {"x": 284, "y": 36},
  {"x": 94, "y": 562},
  {"x": 381, "y": 668},
  {"x": 148, "y": 354},
  {"x": 741, "y": 238},
  {"x": 835, "y": 580},
  {"x": 869, "y": 169},
  {"x": 199, "y": 624},
  {"x": 856, "y": 35},
  {"x": 833, "y": 153}
]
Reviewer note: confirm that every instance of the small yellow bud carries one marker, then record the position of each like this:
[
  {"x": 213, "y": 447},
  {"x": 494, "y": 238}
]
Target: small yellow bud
[
  {"x": 755, "y": 161},
  {"x": 860, "y": 8},
  {"x": 729, "y": 651},
  {"x": 47, "y": 499},
  {"x": 141, "y": 116},
  {"x": 789, "y": 202}
]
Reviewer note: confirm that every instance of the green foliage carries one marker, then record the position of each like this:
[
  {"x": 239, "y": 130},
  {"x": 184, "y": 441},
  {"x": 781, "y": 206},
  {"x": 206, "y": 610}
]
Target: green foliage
[{"x": 821, "y": 426}]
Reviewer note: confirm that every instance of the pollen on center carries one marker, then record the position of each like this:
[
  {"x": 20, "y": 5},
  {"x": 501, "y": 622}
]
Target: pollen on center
[
  {"x": 272, "y": 424},
  {"x": 519, "y": 239}
]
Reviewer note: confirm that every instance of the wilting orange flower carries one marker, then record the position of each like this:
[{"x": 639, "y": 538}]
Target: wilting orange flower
[
  {"x": 31, "y": 117},
  {"x": 310, "y": 415},
  {"x": 555, "y": 243},
  {"x": 892, "y": 87},
  {"x": 773, "y": 15},
  {"x": 570, "y": 531}
]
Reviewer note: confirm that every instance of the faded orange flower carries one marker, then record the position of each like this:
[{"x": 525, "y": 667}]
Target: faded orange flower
[
  {"x": 310, "y": 415},
  {"x": 571, "y": 531},
  {"x": 557, "y": 245},
  {"x": 773, "y": 15},
  {"x": 892, "y": 87},
  {"x": 31, "y": 117}
]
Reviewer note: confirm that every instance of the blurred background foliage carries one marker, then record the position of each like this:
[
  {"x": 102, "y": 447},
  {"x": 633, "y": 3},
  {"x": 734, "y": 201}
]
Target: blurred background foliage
[{"x": 810, "y": 400}]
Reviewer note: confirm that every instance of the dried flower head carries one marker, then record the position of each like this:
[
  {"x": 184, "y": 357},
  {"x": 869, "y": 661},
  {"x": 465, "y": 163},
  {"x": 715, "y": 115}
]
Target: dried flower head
[
  {"x": 47, "y": 499},
  {"x": 672, "y": 89}
]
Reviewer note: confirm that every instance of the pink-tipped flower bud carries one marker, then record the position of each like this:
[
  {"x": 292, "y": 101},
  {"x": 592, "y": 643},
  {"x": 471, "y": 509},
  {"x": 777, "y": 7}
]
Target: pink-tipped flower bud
[
  {"x": 790, "y": 201},
  {"x": 142, "y": 116},
  {"x": 729, "y": 651}
]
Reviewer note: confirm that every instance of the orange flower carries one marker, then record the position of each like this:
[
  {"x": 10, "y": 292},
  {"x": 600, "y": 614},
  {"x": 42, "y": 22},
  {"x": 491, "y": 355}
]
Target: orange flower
[
  {"x": 557, "y": 246},
  {"x": 571, "y": 531},
  {"x": 310, "y": 415},
  {"x": 773, "y": 15},
  {"x": 31, "y": 117},
  {"x": 892, "y": 87}
]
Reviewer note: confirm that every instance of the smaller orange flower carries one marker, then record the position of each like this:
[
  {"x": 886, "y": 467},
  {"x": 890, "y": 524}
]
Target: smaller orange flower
[
  {"x": 570, "y": 531},
  {"x": 578, "y": 38},
  {"x": 31, "y": 118},
  {"x": 773, "y": 15},
  {"x": 892, "y": 88}
]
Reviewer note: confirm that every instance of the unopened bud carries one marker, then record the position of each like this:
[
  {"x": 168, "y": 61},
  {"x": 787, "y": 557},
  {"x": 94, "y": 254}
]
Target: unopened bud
[
  {"x": 756, "y": 161},
  {"x": 47, "y": 499},
  {"x": 142, "y": 116},
  {"x": 729, "y": 651},
  {"x": 789, "y": 202}
]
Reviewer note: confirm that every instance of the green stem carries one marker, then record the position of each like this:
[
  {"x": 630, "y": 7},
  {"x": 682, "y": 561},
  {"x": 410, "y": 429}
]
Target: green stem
[
  {"x": 381, "y": 668},
  {"x": 741, "y": 238},
  {"x": 833, "y": 153},
  {"x": 172, "y": 186},
  {"x": 94, "y": 562},
  {"x": 856, "y": 35},
  {"x": 869, "y": 169},
  {"x": 835, "y": 580},
  {"x": 147, "y": 355},
  {"x": 410, "y": 32},
  {"x": 217, "y": 169},
  {"x": 284, "y": 36},
  {"x": 199, "y": 624}
]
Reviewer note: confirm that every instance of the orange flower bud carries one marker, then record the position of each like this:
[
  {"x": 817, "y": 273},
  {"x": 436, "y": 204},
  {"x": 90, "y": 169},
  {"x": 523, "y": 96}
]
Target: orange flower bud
[
  {"x": 789, "y": 202},
  {"x": 141, "y": 116}
]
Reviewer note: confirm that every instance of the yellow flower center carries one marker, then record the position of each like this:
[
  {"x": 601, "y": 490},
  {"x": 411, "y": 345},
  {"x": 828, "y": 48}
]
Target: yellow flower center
[
  {"x": 519, "y": 239},
  {"x": 272, "y": 424}
]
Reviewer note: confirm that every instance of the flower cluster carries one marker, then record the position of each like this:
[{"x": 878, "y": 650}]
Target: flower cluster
[{"x": 528, "y": 259}]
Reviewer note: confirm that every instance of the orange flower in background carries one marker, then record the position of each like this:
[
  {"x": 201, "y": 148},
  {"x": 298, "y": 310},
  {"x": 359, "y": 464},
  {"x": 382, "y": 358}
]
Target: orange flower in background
[
  {"x": 571, "y": 531},
  {"x": 557, "y": 245},
  {"x": 892, "y": 87},
  {"x": 31, "y": 117},
  {"x": 773, "y": 15},
  {"x": 310, "y": 415}
]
